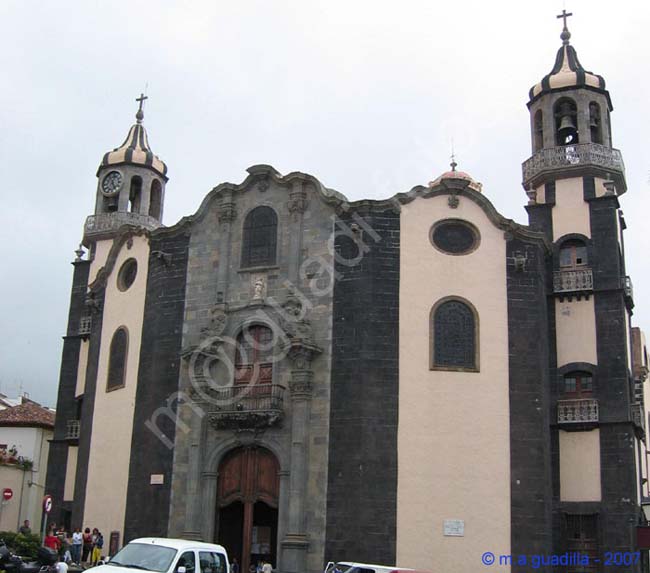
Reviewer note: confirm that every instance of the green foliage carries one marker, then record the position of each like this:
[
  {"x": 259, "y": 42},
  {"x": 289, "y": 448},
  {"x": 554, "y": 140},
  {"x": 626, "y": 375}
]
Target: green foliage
[{"x": 24, "y": 545}]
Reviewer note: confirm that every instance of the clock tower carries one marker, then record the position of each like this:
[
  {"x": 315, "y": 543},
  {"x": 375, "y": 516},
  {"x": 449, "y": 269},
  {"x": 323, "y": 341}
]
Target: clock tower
[{"x": 131, "y": 186}]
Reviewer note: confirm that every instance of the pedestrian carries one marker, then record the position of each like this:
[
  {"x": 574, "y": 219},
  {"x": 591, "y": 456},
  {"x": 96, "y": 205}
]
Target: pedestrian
[
  {"x": 98, "y": 544},
  {"x": 25, "y": 528},
  {"x": 234, "y": 566},
  {"x": 52, "y": 541},
  {"x": 75, "y": 548},
  {"x": 86, "y": 544},
  {"x": 267, "y": 567}
]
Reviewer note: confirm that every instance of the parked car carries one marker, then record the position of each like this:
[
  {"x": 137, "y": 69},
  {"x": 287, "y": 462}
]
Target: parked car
[
  {"x": 353, "y": 567},
  {"x": 162, "y": 555}
]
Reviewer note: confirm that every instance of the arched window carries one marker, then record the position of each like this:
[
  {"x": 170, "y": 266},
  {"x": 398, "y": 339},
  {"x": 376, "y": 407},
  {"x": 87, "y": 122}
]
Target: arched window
[
  {"x": 155, "y": 199},
  {"x": 578, "y": 384},
  {"x": 573, "y": 255},
  {"x": 254, "y": 356},
  {"x": 117, "y": 360},
  {"x": 259, "y": 238},
  {"x": 455, "y": 337},
  {"x": 566, "y": 122},
  {"x": 539, "y": 130},
  {"x": 595, "y": 124},
  {"x": 135, "y": 194}
]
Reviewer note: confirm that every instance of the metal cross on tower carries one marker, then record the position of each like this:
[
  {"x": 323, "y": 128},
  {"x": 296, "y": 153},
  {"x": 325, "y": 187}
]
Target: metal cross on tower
[
  {"x": 565, "y": 35},
  {"x": 140, "y": 114},
  {"x": 564, "y": 15}
]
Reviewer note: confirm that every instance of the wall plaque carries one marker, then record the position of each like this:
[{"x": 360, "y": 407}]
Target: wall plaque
[
  {"x": 157, "y": 479},
  {"x": 454, "y": 527}
]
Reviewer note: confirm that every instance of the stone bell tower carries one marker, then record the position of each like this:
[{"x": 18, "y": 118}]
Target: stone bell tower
[
  {"x": 131, "y": 185},
  {"x": 573, "y": 180}
]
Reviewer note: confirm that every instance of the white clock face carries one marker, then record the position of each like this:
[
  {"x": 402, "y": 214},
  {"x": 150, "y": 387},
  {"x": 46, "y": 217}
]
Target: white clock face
[{"x": 112, "y": 183}]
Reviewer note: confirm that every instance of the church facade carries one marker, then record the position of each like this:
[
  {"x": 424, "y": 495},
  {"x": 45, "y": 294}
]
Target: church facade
[{"x": 416, "y": 380}]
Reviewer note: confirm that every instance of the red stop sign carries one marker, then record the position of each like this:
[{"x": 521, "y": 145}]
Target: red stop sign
[{"x": 7, "y": 493}]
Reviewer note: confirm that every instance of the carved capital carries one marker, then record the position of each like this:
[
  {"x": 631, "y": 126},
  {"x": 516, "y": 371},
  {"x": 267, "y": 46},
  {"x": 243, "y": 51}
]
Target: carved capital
[
  {"x": 301, "y": 384},
  {"x": 227, "y": 211},
  {"x": 301, "y": 353},
  {"x": 297, "y": 201}
]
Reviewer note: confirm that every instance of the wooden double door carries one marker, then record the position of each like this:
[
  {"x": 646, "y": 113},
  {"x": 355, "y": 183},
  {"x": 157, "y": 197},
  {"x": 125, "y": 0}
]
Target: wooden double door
[{"x": 247, "y": 506}]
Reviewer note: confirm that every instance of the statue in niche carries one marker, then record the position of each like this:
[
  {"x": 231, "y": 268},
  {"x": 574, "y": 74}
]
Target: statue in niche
[{"x": 258, "y": 289}]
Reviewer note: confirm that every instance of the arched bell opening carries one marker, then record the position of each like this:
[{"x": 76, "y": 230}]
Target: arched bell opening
[
  {"x": 135, "y": 194},
  {"x": 566, "y": 122},
  {"x": 595, "y": 123},
  {"x": 538, "y": 130}
]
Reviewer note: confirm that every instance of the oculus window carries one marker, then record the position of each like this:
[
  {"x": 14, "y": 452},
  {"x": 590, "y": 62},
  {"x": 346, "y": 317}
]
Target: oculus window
[
  {"x": 454, "y": 237},
  {"x": 126, "y": 275}
]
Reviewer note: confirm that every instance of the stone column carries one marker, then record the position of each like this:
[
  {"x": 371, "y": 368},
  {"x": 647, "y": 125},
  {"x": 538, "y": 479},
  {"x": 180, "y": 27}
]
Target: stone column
[
  {"x": 283, "y": 510},
  {"x": 297, "y": 204},
  {"x": 209, "y": 504},
  {"x": 192, "y": 509},
  {"x": 227, "y": 213},
  {"x": 295, "y": 542}
]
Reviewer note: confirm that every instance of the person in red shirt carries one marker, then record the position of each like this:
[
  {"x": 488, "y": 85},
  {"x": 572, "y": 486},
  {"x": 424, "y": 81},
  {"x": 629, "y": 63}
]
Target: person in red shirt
[{"x": 52, "y": 541}]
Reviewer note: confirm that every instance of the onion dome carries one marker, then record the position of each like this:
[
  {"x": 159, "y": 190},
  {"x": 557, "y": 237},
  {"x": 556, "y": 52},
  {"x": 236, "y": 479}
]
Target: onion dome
[
  {"x": 135, "y": 150},
  {"x": 567, "y": 71},
  {"x": 457, "y": 175}
]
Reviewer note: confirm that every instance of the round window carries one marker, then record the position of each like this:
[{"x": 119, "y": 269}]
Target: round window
[
  {"x": 127, "y": 274},
  {"x": 454, "y": 237}
]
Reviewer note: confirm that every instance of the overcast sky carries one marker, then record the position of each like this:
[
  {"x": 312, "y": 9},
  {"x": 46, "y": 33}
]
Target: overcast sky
[{"x": 365, "y": 95}]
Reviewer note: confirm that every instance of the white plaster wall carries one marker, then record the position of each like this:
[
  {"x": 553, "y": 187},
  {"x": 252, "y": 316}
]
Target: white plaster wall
[
  {"x": 580, "y": 466},
  {"x": 571, "y": 212},
  {"x": 453, "y": 436},
  {"x": 575, "y": 324},
  {"x": 70, "y": 473},
  {"x": 28, "y": 441},
  {"x": 108, "y": 464},
  {"x": 81, "y": 369},
  {"x": 28, "y": 487}
]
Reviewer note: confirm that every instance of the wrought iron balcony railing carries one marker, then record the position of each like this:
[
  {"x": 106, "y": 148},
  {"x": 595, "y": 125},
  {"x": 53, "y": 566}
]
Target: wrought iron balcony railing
[
  {"x": 72, "y": 430},
  {"x": 582, "y": 410},
  {"x": 572, "y": 156},
  {"x": 573, "y": 281},
  {"x": 245, "y": 406},
  {"x": 85, "y": 325},
  {"x": 627, "y": 287},
  {"x": 107, "y": 222},
  {"x": 638, "y": 415}
]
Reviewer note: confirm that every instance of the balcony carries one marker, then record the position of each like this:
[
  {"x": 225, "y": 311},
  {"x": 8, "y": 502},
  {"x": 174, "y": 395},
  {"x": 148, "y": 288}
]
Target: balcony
[
  {"x": 580, "y": 411},
  {"x": 638, "y": 416},
  {"x": 72, "y": 430},
  {"x": 599, "y": 159},
  {"x": 85, "y": 326},
  {"x": 628, "y": 290},
  {"x": 106, "y": 223},
  {"x": 573, "y": 281},
  {"x": 243, "y": 407}
]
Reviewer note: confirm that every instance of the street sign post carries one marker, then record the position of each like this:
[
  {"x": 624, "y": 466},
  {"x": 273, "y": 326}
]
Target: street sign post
[
  {"x": 7, "y": 494},
  {"x": 47, "y": 507}
]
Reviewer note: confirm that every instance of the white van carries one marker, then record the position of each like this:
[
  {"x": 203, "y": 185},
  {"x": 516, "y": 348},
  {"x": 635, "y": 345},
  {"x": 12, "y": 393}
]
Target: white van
[
  {"x": 161, "y": 555},
  {"x": 353, "y": 567}
]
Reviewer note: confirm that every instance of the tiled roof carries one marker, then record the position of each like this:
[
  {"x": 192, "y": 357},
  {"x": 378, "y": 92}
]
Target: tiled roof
[{"x": 27, "y": 414}]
